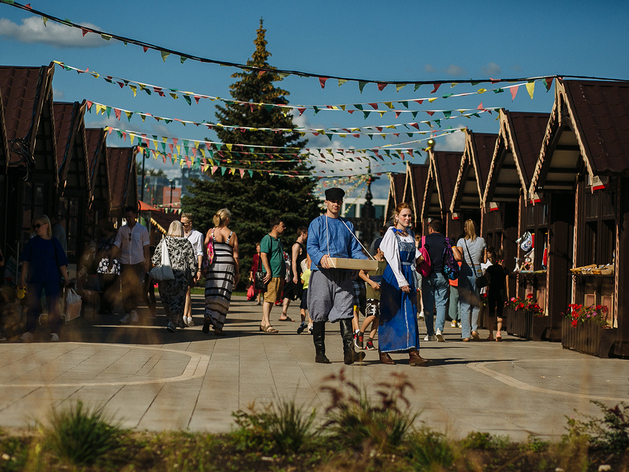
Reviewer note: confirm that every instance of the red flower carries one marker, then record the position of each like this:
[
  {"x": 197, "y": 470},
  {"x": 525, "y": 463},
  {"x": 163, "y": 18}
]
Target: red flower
[
  {"x": 529, "y": 296},
  {"x": 574, "y": 322}
]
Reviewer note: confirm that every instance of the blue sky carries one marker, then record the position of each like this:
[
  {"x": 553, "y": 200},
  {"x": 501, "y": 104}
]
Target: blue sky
[{"x": 395, "y": 40}]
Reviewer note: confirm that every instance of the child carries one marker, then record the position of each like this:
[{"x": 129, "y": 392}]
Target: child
[
  {"x": 496, "y": 291},
  {"x": 372, "y": 311},
  {"x": 305, "y": 279}
]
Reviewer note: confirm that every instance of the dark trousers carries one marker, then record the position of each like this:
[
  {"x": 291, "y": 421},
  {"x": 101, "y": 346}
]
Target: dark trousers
[
  {"x": 131, "y": 277},
  {"x": 109, "y": 288},
  {"x": 34, "y": 292}
]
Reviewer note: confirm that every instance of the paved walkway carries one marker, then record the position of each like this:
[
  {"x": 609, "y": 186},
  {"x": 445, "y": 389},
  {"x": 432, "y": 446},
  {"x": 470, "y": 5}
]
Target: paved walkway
[{"x": 156, "y": 380}]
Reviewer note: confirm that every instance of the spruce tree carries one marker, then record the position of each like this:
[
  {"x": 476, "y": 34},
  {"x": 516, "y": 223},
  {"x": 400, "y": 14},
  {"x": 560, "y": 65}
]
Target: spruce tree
[{"x": 257, "y": 197}]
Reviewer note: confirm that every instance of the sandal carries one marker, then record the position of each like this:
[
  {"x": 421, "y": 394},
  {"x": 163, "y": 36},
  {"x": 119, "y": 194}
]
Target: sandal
[
  {"x": 268, "y": 329},
  {"x": 475, "y": 336},
  {"x": 499, "y": 338},
  {"x": 288, "y": 318},
  {"x": 490, "y": 338}
]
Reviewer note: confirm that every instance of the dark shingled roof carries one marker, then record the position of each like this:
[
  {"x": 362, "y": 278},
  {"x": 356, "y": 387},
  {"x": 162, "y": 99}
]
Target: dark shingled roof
[
  {"x": 589, "y": 125},
  {"x": 601, "y": 112},
  {"x": 444, "y": 167},
  {"x": 71, "y": 149},
  {"x": 519, "y": 142},
  {"x": 24, "y": 91},
  {"x": 416, "y": 175},
  {"x": 473, "y": 171},
  {"x": 96, "y": 139},
  {"x": 122, "y": 178}
]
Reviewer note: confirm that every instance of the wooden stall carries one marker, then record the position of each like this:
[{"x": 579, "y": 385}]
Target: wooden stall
[
  {"x": 75, "y": 187},
  {"x": 440, "y": 181},
  {"x": 414, "y": 187},
  {"x": 467, "y": 196},
  {"x": 30, "y": 178},
  {"x": 583, "y": 168},
  {"x": 509, "y": 214},
  {"x": 123, "y": 186},
  {"x": 100, "y": 197},
  {"x": 396, "y": 194}
]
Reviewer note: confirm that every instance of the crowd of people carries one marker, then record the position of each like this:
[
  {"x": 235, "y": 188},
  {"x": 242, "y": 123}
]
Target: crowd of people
[{"x": 417, "y": 278}]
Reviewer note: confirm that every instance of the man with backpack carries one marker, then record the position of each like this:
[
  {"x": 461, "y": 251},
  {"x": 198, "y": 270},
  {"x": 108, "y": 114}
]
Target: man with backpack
[{"x": 435, "y": 285}]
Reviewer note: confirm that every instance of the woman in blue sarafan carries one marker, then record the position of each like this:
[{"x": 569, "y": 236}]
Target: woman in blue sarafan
[{"x": 398, "y": 331}]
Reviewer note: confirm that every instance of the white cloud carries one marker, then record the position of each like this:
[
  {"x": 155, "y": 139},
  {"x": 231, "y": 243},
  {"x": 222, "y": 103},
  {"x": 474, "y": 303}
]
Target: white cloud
[
  {"x": 452, "y": 70},
  {"x": 451, "y": 142},
  {"x": 455, "y": 70},
  {"x": 492, "y": 70},
  {"x": 58, "y": 94},
  {"x": 517, "y": 68},
  {"x": 33, "y": 30}
]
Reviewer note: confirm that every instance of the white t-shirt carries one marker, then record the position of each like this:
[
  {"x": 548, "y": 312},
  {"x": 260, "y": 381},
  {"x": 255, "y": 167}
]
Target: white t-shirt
[
  {"x": 131, "y": 243},
  {"x": 196, "y": 239},
  {"x": 389, "y": 247}
]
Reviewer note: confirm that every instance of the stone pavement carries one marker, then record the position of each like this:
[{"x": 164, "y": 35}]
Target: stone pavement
[{"x": 155, "y": 380}]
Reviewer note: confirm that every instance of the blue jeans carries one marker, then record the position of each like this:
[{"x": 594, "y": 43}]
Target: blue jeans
[
  {"x": 469, "y": 302},
  {"x": 453, "y": 309},
  {"x": 435, "y": 291}
]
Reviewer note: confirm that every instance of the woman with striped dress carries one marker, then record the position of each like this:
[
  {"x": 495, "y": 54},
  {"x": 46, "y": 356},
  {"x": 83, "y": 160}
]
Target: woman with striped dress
[{"x": 223, "y": 274}]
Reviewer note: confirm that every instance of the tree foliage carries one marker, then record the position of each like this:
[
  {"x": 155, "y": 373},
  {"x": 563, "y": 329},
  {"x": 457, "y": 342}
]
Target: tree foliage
[{"x": 257, "y": 197}]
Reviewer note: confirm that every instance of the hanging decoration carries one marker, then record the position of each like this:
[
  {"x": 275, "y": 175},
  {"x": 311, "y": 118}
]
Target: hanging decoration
[
  {"x": 366, "y": 108},
  {"x": 356, "y": 132}
]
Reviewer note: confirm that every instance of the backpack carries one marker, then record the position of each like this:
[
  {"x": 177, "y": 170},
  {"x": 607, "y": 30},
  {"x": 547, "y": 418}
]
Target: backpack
[
  {"x": 450, "y": 268},
  {"x": 424, "y": 267}
]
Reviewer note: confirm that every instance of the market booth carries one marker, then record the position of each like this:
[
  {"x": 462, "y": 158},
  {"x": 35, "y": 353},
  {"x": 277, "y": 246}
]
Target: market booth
[
  {"x": 509, "y": 216},
  {"x": 396, "y": 194},
  {"x": 440, "y": 181},
  {"x": 74, "y": 183},
  {"x": 583, "y": 170},
  {"x": 29, "y": 178},
  {"x": 414, "y": 187},
  {"x": 467, "y": 196}
]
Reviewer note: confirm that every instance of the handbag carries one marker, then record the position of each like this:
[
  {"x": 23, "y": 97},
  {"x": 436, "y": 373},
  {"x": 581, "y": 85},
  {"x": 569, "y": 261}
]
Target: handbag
[
  {"x": 259, "y": 280},
  {"x": 481, "y": 281},
  {"x": 103, "y": 267},
  {"x": 163, "y": 271},
  {"x": 208, "y": 255}
]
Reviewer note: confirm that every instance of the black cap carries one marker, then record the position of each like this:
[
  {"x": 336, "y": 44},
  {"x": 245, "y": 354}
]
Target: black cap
[{"x": 334, "y": 193}]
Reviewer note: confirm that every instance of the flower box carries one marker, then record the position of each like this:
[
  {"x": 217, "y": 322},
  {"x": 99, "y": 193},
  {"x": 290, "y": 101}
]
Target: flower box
[{"x": 587, "y": 338}]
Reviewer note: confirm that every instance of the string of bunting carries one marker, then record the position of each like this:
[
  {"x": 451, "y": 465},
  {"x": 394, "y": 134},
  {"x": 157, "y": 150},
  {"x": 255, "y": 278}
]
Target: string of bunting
[
  {"x": 378, "y": 107},
  {"x": 356, "y": 132},
  {"x": 282, "y": 73},
  {"x": 231, "y": 153}
]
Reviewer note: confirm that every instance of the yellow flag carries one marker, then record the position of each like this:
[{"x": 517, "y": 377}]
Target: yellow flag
[
  {"x": 134, "y": 88},
  {"x": 341, "y": 81},
  {"x": 530, "y": 88},
  {"x": 229, "y": 146},
  {"x": 481, "y": 90},
  {"x": 342, "y": 107},
  {"x": 430, "y": 100},
  {"x": 389, "y": 104}
]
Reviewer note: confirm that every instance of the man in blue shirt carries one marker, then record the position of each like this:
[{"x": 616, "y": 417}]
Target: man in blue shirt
[{"x": 331, "y": 292}]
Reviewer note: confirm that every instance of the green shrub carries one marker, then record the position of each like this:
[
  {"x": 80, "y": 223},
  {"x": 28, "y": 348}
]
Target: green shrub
[
  {"x": 610, "y": 433},
  {"x": 484, "y": 441},
  {"x": 281, "y": 426},
  {"x": 80, "y": 434},
  {"x": 429, "y": 450},
  {"x": 357, "y": 421}
]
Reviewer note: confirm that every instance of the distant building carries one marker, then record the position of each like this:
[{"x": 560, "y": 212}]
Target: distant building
[
  {"x": 353, "y": 207},
  {"x": 186, "y": 179}
]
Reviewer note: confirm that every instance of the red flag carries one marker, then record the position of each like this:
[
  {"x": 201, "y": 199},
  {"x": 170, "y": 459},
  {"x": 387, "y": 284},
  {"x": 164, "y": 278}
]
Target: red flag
[
  {"x": 322, "y": 81},
  {"x": 436, "y": 87},
  {"x": 373, "y": 105},
  {"x": 84, "y": 31},
  {"x": 381, "y": 86},
  {"x": 146, "y": 48}
]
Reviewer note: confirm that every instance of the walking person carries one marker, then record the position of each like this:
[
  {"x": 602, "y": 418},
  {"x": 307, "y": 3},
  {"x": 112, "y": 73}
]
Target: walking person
[
  {"x": 184, "y": 265},
  {"x": 223, "y": 274},
  {"x": 372, "y": 281},
  {"x": 398, "y": 331},
  {"x": 255, "y": 266},
  {"x": 108, "y": 280},
  {"x": 43, "y": 259},
  {"x": 131, "y": 247},
  {"x": 274, "y": 269},
  {"x": 496, "y": 292},
  {"x": 473, "y": 252},
  {"x": 294, "y": 288},
  {"x": 196, "y": 239},
  {"x": 331, "y": 292},
  {"x": 436, "y": 289}
]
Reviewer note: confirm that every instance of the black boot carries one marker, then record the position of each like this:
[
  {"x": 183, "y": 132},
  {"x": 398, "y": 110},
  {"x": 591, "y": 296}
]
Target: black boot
[
  {"x": 349, "y": 355},
  {"x": 318, "y": 337}
]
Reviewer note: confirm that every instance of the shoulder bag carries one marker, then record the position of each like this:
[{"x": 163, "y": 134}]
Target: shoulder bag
[
  {"x": 164, "y": 271},
  {"x": 482, "y": 280}
]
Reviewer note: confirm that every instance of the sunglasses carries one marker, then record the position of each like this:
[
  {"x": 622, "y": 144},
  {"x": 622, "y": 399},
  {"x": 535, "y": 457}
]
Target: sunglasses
[{"x": 39, "y": 225}]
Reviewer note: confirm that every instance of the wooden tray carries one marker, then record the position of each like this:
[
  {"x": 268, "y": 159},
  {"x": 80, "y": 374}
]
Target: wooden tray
[{"x": 354, "y": 264}]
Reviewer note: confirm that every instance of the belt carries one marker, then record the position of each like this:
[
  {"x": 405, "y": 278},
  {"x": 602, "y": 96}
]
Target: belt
[{"x": 407, "y": 263}]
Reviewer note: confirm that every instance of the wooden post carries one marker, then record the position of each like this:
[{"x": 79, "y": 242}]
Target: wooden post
[{"x": 621, "y": 273}]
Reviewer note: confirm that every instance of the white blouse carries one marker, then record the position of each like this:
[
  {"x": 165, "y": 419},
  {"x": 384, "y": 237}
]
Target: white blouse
[{"x": 389, "y": 247}]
